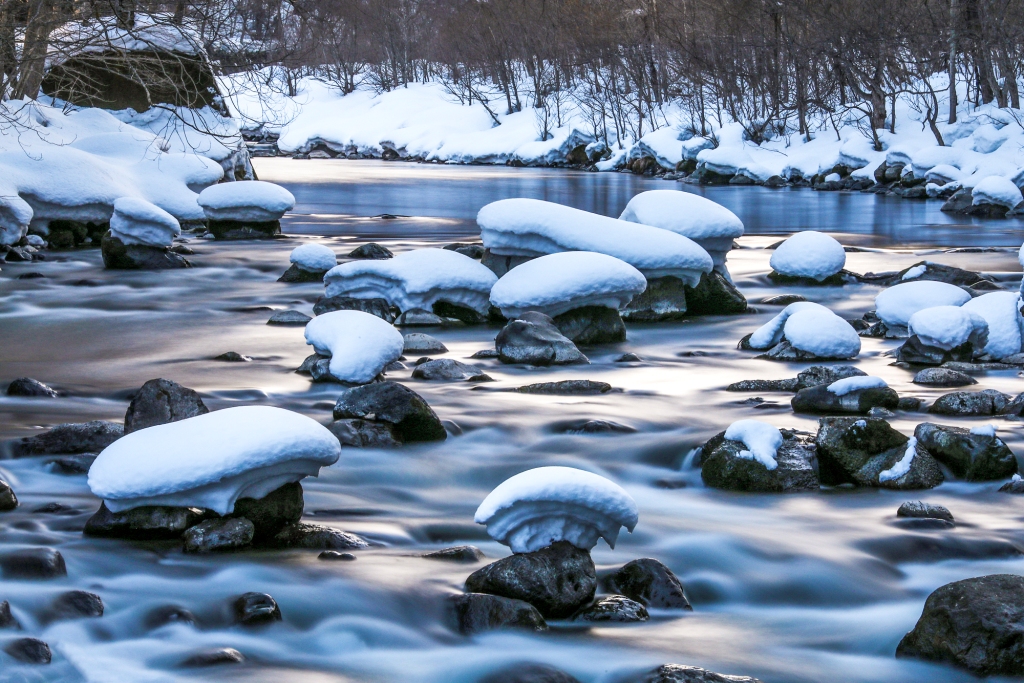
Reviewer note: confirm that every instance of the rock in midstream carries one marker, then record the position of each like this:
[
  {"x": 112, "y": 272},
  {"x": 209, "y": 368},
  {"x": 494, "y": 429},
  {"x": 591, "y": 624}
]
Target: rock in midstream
[
  {"x": 161, "y": 401},
  {"x": 970, "y": 455},
  {"x": 71, "y": 439},
  {"x": 8, "y": 501},
  {"x": 219, "y": 534},
  {"x": 533, "y": 339},
  {"x": 678, "y": 673},
  {"x": 26, "y": 386},
  {"x": 613, "y": 608},
  {"x": 722, "y": 466},
  {"x": 395, "y": 404},
  {"x": 819, "y": 400},
  {"x": 33, "y": 563},
  {"x": 253, "y": 609},
  {"x": 858, "y": 450},
  {"x": 478, "y": 612},
  {"x": 650, "y": 583}
]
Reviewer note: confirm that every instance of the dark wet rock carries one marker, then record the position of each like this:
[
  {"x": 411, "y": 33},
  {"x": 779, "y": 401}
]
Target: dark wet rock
[
  {"x": 317, "y": 367},
  {"x": 629, "y": 358},
  {"x": 817, "y": 375},
  {"x": 479, "y": 612},
  {"x": 784, "y": 351},
  {"x": 161, "y": 401},
  {"x": 782, "y": 299},
  {"x": 836, "y": 280},
  {"x": 364, "y": 433},
  {"x": 857, "y": 451},
  {"x": 723, "y": 468},
  {"x": 26, "y": 386},
  {"x": 394, "y": 366},
  {"x": 1015, "y": 485},
  {"x": 943, "y": 377},
  {"x": 909, "y": 404},
  {"x": 880, "y": 412},
  {"x": 568, "y": 387},
  {"x": 501, "y": 264},
  {"x": 335, "y": 556},
  {"x": 72, "y": 438},
  {"x": 167, "y": 614},
  {"x": 317, "y": 537},
  {"x": 534, "y": 339},
  {"x": 714, "y": 295},
  {"x": 214, "y": 657},
  {"x": 56, "y": 509},
  {"x": 987, "y": 402},
  {"x": 417, "y": 342},
  {"x": 244, "y": 230},
  {"x": 974, "y": 457},
  {"x": 764, "y": 385},
  {"x": 613, "y": 608},
  {"x": 296, "y": 274},
  {"x": 916, "y": 352},
  {"x": 457, "y": 312},
  {"x": 916, "y": 509},
  {"x": 528, "y": 672},
  {"x": 75, "y": 605},
  {"x": 679, "y": 673},
  {"x": 371, "y": 250},
  {"x": 33, "y": 563},
  {"x": 819, "y": 400},
  {"x": 558, "y": 580},
  {"x": 975, "y": 624},
  {"x": 448, "y": 369},
  {"x": 252, "y": 609},
  {"x": 591, "y": 325},
  {"x": 149, "y": 522},
  {"x": 474, "y": 251},
  {"x": 29, "y": 651},
  {"x": 289, "y": 318},
  {"x": 120, "y": 256},
  {"x": 597, "y": 427},
  {"x": 8, "y": 501},
  {"x": 378, "y": 307},
  {"x": 219, "y": 534},
  {"x": 271, "y": 513},
  {"x": 931, "y": 547},
  {"x": 459, "y": 553},
  {"x": 485, "y": 354},
  {"x": 1014, "y": 407},
  {"x": 7, "y": 620},
  {"x": 233, "y": 357},
  {"x": 663, "y": 300},
  {"x": 650, "y": 583},
  {"x": 418, "y": 317},
  {"x": 938, "y": 272},
  {"x": 394, "y": 404}
]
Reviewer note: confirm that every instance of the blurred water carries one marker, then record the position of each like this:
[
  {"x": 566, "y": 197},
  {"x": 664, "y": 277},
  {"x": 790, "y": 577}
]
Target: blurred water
[{"x": 797, "y": 588}]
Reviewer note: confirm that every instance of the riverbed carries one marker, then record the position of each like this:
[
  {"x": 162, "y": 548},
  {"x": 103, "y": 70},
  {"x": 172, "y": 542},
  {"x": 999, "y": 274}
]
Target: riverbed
[{"x": 787, "y": 588}]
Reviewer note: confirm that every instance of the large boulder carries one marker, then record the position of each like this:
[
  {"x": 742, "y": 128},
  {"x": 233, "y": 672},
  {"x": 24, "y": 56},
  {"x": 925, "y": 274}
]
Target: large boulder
[
  {"x": 120, "y": 256},
  {"x": 971, "y": 454},
  {"x": 869, "y": 452},
  {"x": 818, "y": 400},
  {"x": 534, "y": 339},
  {"x": 161, "y": 401},
  {"x": 394, "y": 404},
  {"x": 723, "y": 468}
]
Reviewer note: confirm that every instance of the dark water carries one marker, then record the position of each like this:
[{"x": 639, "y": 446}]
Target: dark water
[{"x": 798, "y": 588}]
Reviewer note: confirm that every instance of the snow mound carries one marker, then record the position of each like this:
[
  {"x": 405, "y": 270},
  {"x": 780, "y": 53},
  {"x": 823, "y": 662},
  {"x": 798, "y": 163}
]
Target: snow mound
[
  {"x": 246, "y": 200},
  {"x": 896, "y": 304},
  {"x": 902, "y": 466},
  {"x": 557, "y": 283},
  {"x": 314, "y": 258},
  {"x": 360, "y": 344},
  {"x": 915, "y": 272},
  {"x": 848, "y": 385},
  {"x": 997, "y": 190},
  {"x": 1001, "y": 310},
  {"x": 811, "y": 328},
  {"x": 707, "y": 223},
  {"x": 136, "y": 221},
  {"x": 212, "y": 460},
  {"x": 545, "y": 505},
  {"x": 949, "y": 326},
  {"x": 531, "y": 227},
  {"x": 809, "y": 254},
  {"x": 761, "y": 439},
  {"x": 100, "y": 34},
  {"x": 416, "y": 279}
]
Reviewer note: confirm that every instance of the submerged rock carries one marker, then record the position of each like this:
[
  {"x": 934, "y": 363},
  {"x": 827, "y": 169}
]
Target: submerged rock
[
  {"x": 289, "y": 318},
  {"x": 869, "y": 452},
  {"x": 8, "y": 501},
  {"x": 378, "y": 307},
  {"x": 534, "y": 339},
  {"x": 787, "y": 385},
  {"x": 568, "y": 387},
  {"x": 233, "y": 357},
  {"x": 527, "y": 672},
  {"x": 723, "y": 468},
  {"x": 650, "y": 583},
  {"x": 317, "y": 537},
  {"x": 219, "y": 534},
  {"x": 678, "y": 673},
  {"x": 449, "y": 369},
  {"x": 818, "y": 400},
  {"x": 943, "y": 377},
  {"x": 71, "y": 439},
  {"x": 161, "y": 401},
  {"x": 253, "y": 609},
  {"x": 120, "y": 256},
  {"x": 33, "y": 563},
  {"x": 392, "y": 403},
  {"x": 971, "y": 455},
  {"x": 591, "y": 325},
  {"x": 479, "y": 612},
  {"x": 613, "y": 608},
  {"x": 459, "y": 553},
  {"x": 75, "y": 605},
  {"x": 214, "y": 657},
  {"x": 29, "y": 651},
  {"x": 26, "y": 386}
]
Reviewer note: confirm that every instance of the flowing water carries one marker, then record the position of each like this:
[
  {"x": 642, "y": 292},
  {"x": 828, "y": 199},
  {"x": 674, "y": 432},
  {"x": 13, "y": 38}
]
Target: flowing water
[{"x": 787, "y": 588}]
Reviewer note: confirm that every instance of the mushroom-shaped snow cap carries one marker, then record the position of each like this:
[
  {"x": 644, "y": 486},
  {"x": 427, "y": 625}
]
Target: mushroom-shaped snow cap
[
  {"x": 1001, "y": 310},
  {"x": 896, "y": 304},
  {"x": 809, "y": 327},
  {"x": 557, "y": 283},
  {"x": 137, "y": 221},
  {"x": 360, "y": 344},
  {"x": 246, "y": 200},
  {"x": 949, "y": 326},
  {"x": 313, "y": 257},
  {"x": 809, "y": 254},
  {"x": 545, "y": 505}
]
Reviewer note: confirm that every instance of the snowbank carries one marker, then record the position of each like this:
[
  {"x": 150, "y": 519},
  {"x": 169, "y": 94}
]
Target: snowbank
[
  {"x": 761, "y": 439},
  {"x": 531, "y": 227},
  {"x": 1001, "y": 310},
  {"x": 896, "y": 304},
  {"x": 557, "y": 283},
  {"x": 360, "y": 344},
  {"x": 313, "y": 257},
  {"x": 248, "y": 200},
  {"x": 811, "y": 328},
  {"x": 809, "y": 254},
  {"x": 536, "y": 508},
  {"x": 212, "y": 460},
  {"x": 136, "y": 221},
  {"x": 416, "y": 279},
  {"x": 100, "y": 34},
  {"x": 947, "y": 327},
  {"x": 997, "y": 190}
]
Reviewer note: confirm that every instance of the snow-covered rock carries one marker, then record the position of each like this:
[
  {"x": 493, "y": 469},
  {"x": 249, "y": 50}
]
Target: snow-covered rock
[
  {"x": 842, "y": 387},
  {"x": 557, "y": 283},
  {"x": 416, "y": 279},
  {"x": 360, "y": 345},
  {"x": 902, "y": 466},
  {"x": 531, "y": 227},
  {"x": 313, "y": 257},
  {"x": 810, "y": 328},
  {"x": 536, "y": 508},
  {"x": 212, "y": 460},
  {"x": 896, "y": 304},
  {"x": 707, "y": 223},
  {"x": 137, "y": 221},
  {"x": 246, "y": 201},
  {"x": 809, "y": 254},
  {"x": 998, "y": 191},
  {"x": 761, "y": 439},
  {"x": 947, "y": 327},
  {"x": 1001, "y": 310}
]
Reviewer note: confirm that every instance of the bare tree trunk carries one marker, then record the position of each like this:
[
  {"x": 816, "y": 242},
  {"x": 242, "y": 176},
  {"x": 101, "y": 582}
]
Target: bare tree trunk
[
  {"x": 33, "y": 58},
  {"x": 953, "y": 12}
]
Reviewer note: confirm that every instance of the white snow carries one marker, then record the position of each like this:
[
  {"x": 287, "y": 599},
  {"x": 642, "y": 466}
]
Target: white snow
[
  {"x": 536, "y": 508},
  {"x": 809, "y": 327},
  {"x": 809, "y": 254},
  {"x": 416, "y": 279},
  {"x": 136, "y": 221},
  {"x": 99, "y": 34},
  {"x": 984, "y": 430},
  {"x": 531, "y": 227},
  {"x": 847, "y": 385},
  {"x": 707, "y": 223},
  {"x": 761, "y": 439},
  {"x": 212, "y": 460},
  {"x": 833, "y": 178},
  {"x": 557, "y": 283},
  {"x": 246, "y": 200},
  {"x": 360, "y": 344},
  {"x": 313, "y": 257},
  {"x": 949, "y": 326},
  {"x": 996, "y": 190},
  {"x": 896, "y": 304},
  {"x": 1001, "y": 310},
  {"x": 901, "y": 467},
  {"x": 915, "y": 272},
  {"x": 1016, "y": 477}
]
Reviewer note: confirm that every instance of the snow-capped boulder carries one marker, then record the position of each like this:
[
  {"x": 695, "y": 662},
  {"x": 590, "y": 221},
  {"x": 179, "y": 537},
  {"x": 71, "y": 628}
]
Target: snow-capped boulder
[
  {"x": 809, "y": 255},
  {"x": 755, "y": 456},
  {"x": 245, "y": 209},
  {"x": 997, "y": 191},
  {"x": 15, "y": 217},
  {"x": 358, "y": 344},
  {"x": 857, "y": 394},
  {"x": 212, "y": 460},
  {"x": 806, "y": 330},
  {"x": 542, "y": 506},
  {"x": 895, "y": 305},
  {"x": 137, "y": 221},
  {"x": 707, "y": 223},
  {"x": 943, "y": 333},
  {"x": 309, "y": 263},
  {"x": 450, "y": 284},
  {"x": 1001, "y": 310},
  {"x": 868, "y": 451},
  {"x": 975, "y": 454}
]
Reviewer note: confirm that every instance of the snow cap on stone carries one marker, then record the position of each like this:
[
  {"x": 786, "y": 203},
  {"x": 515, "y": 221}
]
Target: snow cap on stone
[
  {"x": 684, "y": 213},
  {"x": 246, "y": 200},
  {"x": 809, "y": 254},
  {"x": 809, "y": 327},
  {"x": 360, "y": 345},
  {"x": 1001, "y": 310},
  {"x": 842, "y": 387},
  {"x": 896, "y": 304},
  {"x": 137, "y": 221},
  {"x": 996, "y": 190},
  {"x": 313, "y": 257},
  {"x": 761, "y": 439},
  {"x": 947, "y": 327},
  {"x": 545, "y": 505},
  {"x": 212, "y": 460},
  {"x": 557, "y": 283}
]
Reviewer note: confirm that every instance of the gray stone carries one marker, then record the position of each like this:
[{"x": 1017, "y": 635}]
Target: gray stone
[
  {"x": 317, "y": 537},
  {"x": 1015, "y": 485},
  {"x": 33, "y": 563},
  {"x": 534, "y": 339},
  {"x": 8, "y": 501},
  {"x": 567, "y": 387},
  {"x": 289, "y": 318},
  {"x": 233, "y": 357},
  {"x": 161, "y": 401},
  {"x": 418, "y": 317},
  {"x": 856, "y": 451},
  {"x": 818, "y": 400},
  {"x": 371, "y": 250},
  {"x": 459, "y": 553},
  {"x": 502, "y": 264},
  {"x": 71, "y": 439},
  {"x": 271, "y": 513},
  {"x": 359, "y": 433},
  {"x": 650, "y": 583},
  {"x": 74, "y": 605},
  {"x": 629, "y": 358},
  {"x": 987, "y": 402},
  {"x": 528, "y": 672},
  {"x": 909, "y": 404},
  {"x": 335, "y": 556},
  {"x": 679, "y": 673},
  {"x": 29, "y": 651},
  {"x": 120, "y": 256},
  {"x": 663, "y": 300},
  {"x": 974, "y": 457},
  {"x": 782, "y": 299},
  {"x": 26, "y": 386},
  {"x": 394, "y": 404},
  {"x": 296, "y": 274},
  {"x": 597, "y": 427},
  {"x": 378, "y": 307},
  {"x": 723, "y": 468},
  {"x": 417, "y": 342},
  {"x": 764, "y": 385},
  {"x": 149, "y": 522},
  {"x": 816, "y": 375},
  {"x": 916, "y": 352},
  {"x": 880, "y": 412},
  {"x": 591, "y": 325},
  {"x": 943, "y": 377},
  {"x": 214, "y": 657},
  {"x": 479, "y": 612},
  {"x": 253, "y": 609},
  {"x": 916, "y": 509},
  {"x": 7, "y": 620},
  {"x": 219, "y": 534},
  {"x": 613, "y": 608},
  {"x": 448, "y": 369}
]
